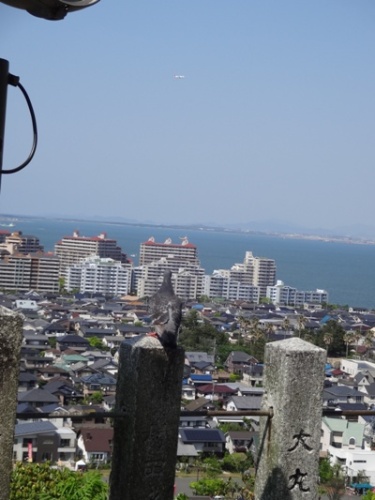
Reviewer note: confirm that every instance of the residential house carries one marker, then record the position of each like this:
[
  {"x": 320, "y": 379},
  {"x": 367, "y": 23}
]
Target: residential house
[
  {"x": 64, "y": 390},
  {"x": 369, "y": 394},
  {"x": 99, "y": 382},
  {"x": 238, "y": 361},
  {"x": 37, "y": 397},
  {"x": 199, "y": 379},
  {"x": 253, "y": 374},
  {"x": 206, "y": 441},
  {"x": 105, "y": 365},
  {"x": 27, "y": 381},
  {"x": 194, "y": 421},
  {"x": 216, "y": 392},
  {"x": 95, "y": 444},
  {"x": 352, "y": 366},
  {"x": 72, "y": 341},
  {"x": 200, "y": 404},
  {"x": 244, "y": 403},
  {"x": 197, "y": 356},
  {"x": 333, "y": 396},
  {"x": 238, "y": 441},
  {"x": 35, "y": 341},
  {"x": 345, "y": 443},
  {"x": 52, "y": 371},
  {"x": 188, "y": 392},
  {"x": 42, "y": 440}
]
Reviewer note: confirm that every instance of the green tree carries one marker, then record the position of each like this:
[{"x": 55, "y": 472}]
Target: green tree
[
  {"x": 36, "y": 481},
  {"x": 301, "y": 324},
  {"x": 332, "y": 479},
  {"x": 369, "y": 496},
  {"x": 52, "y": 342},
  {"x": 332, "y": 335},
  {"x": 62, "y": 285},
  {"x": 209, "y": 487},
  {"x": 325, "y": 470},
  {"x": 96, "y": 397},
  {"x": 96, "y": 343},
  {"x": 233, "y": 377},
  {"x": 212, "y": 466},
  {"x": 197, "y": 334},
  {"x": 349, "y": 338},
  {"x": 235, "y": 462}
]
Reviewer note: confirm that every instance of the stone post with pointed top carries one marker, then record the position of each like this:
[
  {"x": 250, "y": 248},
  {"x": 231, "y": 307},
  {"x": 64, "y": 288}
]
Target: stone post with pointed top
[
  {"x": 289, "y": 442},
  {"x": 10, "y": 347},
  {"x": 145, "y": 440}
]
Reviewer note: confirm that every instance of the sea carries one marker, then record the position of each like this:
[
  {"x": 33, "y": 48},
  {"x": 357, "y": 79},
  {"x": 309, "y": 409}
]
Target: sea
[{"x": 345, "y": 270}]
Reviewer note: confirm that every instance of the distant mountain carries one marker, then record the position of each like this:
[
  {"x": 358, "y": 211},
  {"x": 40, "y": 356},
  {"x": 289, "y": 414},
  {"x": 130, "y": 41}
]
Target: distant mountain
[{"x": 274, "y": 226}]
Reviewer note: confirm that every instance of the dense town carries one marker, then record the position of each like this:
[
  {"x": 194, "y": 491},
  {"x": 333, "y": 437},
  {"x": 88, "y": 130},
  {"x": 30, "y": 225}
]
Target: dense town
[{"x": 80, "y": 303}]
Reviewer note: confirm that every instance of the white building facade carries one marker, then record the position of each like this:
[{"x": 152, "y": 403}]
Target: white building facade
[
  {"x": 99, "y": 275},
  {"x": 281, "y": 294}
]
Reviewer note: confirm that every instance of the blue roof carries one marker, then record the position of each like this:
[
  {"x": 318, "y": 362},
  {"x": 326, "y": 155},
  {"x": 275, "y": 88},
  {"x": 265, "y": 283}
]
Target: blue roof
[
  {"x": 34, "y": 428},
  {"x": 204, "y": 378},
  {"x": 325, "y": 319}
]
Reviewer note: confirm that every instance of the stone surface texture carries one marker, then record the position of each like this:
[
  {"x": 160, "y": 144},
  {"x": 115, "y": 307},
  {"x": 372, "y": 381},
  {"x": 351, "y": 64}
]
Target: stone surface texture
[
  {"x": 145, "y": 440},
  {"x": 10, "y": 347},
  {"x": 289, "y": 442}
]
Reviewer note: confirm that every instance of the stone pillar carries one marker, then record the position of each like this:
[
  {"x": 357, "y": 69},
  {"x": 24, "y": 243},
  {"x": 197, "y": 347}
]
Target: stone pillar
[
  {"x": 10, "y": 346},
  {"x": 289, "y": 442},
  {"x": 145, "y": 440}
]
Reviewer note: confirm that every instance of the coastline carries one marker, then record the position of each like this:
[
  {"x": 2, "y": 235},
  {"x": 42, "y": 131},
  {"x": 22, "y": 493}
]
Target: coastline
[{"x": 8, "y": 220}]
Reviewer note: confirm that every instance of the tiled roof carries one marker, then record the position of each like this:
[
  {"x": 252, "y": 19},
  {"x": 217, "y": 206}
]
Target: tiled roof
[
  {"x": 34, "y": 428},
  {"x": 97, "y": 439},
  {"x": 202, "y": 435},
  {"x": 37, "y": 396}
]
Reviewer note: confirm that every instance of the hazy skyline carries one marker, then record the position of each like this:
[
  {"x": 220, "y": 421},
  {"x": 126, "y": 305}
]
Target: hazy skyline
[{"x": 273, "y": 120}]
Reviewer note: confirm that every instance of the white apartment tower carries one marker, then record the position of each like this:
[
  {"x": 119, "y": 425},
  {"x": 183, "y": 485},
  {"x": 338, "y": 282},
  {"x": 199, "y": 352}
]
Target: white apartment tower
[
  {"x": 72, "y": 249},
  {"x": 103, "y": 275},
  {"x": 151, "y": 251},
  {"x": 258, "y": 272},
  {"x": 287, "y": 295},
  {"x": 187, "y": 278}
]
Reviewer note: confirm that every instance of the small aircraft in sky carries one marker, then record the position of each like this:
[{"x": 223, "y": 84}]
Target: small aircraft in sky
[{"x": 178, "y": 77}]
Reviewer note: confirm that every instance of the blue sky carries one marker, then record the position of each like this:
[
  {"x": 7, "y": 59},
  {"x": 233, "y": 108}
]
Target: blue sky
[{"x": 274, "y": 119}]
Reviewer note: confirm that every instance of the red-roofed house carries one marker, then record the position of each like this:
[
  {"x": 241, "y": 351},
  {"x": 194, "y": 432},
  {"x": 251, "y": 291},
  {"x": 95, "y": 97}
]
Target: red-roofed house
[
  {"x": 95, "y": 444},
  {"x": 216, "y": 391}
]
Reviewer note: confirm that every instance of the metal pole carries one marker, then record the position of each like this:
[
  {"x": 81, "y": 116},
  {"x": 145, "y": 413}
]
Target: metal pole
[{"x": 4, "y": 77}]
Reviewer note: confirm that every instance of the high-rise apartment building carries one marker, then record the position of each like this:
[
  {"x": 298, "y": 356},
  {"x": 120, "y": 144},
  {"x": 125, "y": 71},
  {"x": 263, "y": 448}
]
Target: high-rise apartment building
[
  {"x": 287, "y": 295},
  {"x": 38, "y": 271},
  {"x": 220, "y": 285},
  {"x": 187, "y": 277},
  {"x": 44, "y": 272},
  {"x": 96, "y": 274},
  {"x": 17, "y": 242},
  {"x": 151, "y": 251},
  {"x": 72, "y": 249},
  {"x": 258, "y": 272}
]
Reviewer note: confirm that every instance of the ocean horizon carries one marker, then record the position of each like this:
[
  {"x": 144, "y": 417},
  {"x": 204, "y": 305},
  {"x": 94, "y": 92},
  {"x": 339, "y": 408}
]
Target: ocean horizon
[{"x": 345, "y": 270}]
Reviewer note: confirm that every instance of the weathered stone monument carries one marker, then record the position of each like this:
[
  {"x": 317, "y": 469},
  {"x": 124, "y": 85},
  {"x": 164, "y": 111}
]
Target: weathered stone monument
[
  {"x": 145, "y": 441},
  {"x": 10, "y": 345},
  {"x": 289, "y": 443},
  {"x": 149, "y": 395}
]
